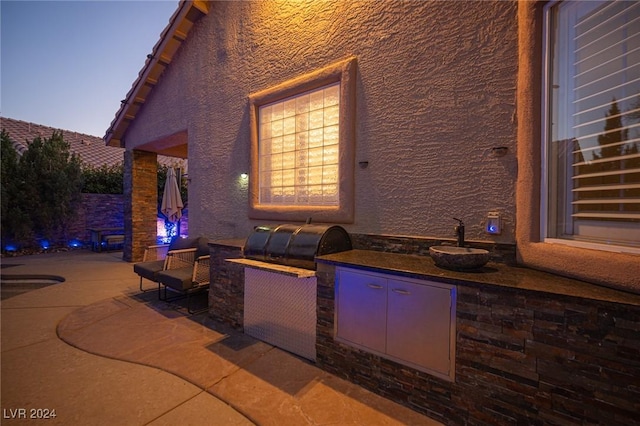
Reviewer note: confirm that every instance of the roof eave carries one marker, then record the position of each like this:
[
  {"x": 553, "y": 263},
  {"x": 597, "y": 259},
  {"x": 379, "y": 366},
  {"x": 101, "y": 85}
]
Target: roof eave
[{"x": 172, "y": 37}]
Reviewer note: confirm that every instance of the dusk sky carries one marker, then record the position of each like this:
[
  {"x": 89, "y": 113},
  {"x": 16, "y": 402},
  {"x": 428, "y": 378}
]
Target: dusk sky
[{"x": 67, "y": 64}]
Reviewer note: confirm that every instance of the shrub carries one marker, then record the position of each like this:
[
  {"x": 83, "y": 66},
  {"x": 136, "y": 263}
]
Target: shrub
[{"x": 103, "y": 180}]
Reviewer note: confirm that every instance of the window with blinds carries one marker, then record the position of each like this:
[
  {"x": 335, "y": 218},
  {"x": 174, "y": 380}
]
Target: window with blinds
[{"x": 593, "y": 122}]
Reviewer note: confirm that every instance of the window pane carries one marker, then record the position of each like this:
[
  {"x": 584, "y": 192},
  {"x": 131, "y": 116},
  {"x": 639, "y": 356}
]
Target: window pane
[
  {"x": 593, "y": 157},
  {"x": 316, "y": 119},
  {"x": 302, "y": 122},
  {"x": 302, "y": 104},
  {"x": 289, "y": 126},
  {"x": 299, "y": 149},
  {"x": 331, "y": 95},
  {"x": 331, "y": 116},
  {"x": 289, "y": 108},
  {"x": 289, "y": 143}
]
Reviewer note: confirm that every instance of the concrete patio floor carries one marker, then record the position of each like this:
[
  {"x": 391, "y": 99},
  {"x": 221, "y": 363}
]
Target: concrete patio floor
[{"x": 97, "y": 351}]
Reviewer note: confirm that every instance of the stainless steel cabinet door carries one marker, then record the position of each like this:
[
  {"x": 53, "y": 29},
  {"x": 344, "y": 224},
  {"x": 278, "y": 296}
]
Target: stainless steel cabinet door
[
  {"x": 419, "y": 324},
  {"x": 362, "y": 309}
]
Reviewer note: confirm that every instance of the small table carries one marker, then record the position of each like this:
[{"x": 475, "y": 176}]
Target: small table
[{"x": 98, "y": 233}]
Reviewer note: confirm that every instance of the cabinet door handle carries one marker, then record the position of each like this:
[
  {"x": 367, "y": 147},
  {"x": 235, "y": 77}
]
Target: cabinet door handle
[
  {"x": 401, "y": 291},
  {"x": 375, "y": 286}
]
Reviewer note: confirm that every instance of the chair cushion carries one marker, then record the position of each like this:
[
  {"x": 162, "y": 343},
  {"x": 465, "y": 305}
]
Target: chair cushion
[
  {"x": 182, "y": 243},
  {"x": 148, "y": 270},
  {"x": 178, "y": 279},
  {"x": 201, "y": 244},
  {"x": 202, "y": 247}
]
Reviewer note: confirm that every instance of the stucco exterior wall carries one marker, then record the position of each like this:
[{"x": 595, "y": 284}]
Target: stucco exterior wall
[{"x": 435, "y": 91}]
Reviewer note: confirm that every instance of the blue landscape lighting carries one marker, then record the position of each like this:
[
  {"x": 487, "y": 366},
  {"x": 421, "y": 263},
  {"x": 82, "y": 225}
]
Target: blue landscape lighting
[
  {"x": 44, "y": 244},
  {"x": 10, "y": 247},
  {"x": 75, "y": 244},
  {"x": 163, "y": 240},
  {"x": 166, "y": 231}
]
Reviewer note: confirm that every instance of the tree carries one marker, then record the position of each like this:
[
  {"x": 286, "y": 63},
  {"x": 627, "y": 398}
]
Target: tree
[
  {"x": 16, "y": 221},
  {"x": 50, "y": 180},
  {"x": 623, "y": 160},
  {"x": 614, "y": 133}
]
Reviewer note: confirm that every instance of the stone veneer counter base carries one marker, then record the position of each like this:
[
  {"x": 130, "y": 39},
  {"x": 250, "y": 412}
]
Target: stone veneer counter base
[{"x": 531, "y": 347}]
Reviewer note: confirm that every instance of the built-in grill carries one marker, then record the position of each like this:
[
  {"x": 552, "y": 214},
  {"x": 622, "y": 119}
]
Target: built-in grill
[
  {"x": 295, "y": 245},
  {"x": 280, "y": 303}
]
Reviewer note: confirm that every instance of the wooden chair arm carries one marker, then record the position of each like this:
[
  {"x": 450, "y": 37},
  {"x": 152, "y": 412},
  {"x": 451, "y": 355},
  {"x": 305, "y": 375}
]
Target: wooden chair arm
[{"x": 155, "y": 252}]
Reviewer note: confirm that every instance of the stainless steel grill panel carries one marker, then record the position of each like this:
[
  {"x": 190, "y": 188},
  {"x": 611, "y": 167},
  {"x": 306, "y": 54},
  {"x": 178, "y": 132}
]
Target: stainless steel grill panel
[{"x": 281, "y": 310}]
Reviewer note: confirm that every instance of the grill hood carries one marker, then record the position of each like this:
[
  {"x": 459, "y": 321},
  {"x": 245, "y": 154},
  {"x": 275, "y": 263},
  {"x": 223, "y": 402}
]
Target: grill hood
[{"x": 295, "y": 245}]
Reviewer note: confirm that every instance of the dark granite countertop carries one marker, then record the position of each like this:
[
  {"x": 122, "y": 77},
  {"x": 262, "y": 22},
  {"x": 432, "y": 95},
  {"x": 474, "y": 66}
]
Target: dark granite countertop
[
  {"x": 496, "y": 274},
  {"x": 229, "y": 242}
]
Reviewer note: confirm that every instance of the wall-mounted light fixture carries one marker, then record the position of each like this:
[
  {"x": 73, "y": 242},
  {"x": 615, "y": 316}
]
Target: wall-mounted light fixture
[{"x": 242, "y": 182}]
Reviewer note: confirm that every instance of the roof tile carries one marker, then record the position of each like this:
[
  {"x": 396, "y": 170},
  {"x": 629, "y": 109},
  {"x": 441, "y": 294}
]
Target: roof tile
[{"x": 91, "y": 149}]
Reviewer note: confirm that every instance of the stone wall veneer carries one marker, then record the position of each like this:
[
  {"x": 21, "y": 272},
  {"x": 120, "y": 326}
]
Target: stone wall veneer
[
  {"x": 226, "y": 288},
  {"x": 95, "y": 211},
  {"x": 522, "y": 357},
  {"x": 140, "y": 187}
]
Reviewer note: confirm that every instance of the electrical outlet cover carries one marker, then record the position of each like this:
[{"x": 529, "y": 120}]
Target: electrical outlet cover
[{"x": 494, "y": 225}]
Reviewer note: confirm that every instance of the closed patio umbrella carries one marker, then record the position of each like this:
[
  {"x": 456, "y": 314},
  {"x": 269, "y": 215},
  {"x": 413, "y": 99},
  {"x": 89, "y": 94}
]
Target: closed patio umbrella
[{"x": 171, "y": 201}]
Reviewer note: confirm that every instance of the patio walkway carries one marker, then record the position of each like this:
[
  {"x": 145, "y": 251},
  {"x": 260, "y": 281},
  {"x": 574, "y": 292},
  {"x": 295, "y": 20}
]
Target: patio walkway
[{"x": 66, "y": 347}]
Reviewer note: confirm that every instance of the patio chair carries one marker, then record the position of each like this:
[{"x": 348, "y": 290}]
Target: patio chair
[
  {"x": 156, "y": 257},
  {"x": 186, "y": 280}
]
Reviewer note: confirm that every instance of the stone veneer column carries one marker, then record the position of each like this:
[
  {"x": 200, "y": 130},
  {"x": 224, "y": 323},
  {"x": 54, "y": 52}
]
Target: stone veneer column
[
  {"x": 226, "y": 288},
  {"x": 141, "y": 203}
]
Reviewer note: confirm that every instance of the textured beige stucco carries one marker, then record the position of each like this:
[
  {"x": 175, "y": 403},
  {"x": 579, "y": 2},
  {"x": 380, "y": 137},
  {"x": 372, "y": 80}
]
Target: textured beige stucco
[{"x": 436, "y": 89}]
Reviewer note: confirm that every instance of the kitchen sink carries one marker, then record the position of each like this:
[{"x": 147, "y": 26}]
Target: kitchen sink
[{"x": 459, "y": 258}]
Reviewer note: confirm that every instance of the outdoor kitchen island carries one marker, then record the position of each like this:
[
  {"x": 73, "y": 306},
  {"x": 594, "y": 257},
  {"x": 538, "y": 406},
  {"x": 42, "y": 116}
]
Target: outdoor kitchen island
[{"x": 530, "y": 347}]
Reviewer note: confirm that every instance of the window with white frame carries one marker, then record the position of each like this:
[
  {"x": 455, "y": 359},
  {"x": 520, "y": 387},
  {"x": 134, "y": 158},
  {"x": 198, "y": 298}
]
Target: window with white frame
[
  {"x": 592, "y": 124},
  {"x": 299, "y": 149}
]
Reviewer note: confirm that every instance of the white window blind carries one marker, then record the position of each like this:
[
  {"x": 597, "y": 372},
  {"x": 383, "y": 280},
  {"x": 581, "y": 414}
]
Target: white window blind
[
  {"x": 299, "y": 149},
  {"x": 594, "y": 156}
]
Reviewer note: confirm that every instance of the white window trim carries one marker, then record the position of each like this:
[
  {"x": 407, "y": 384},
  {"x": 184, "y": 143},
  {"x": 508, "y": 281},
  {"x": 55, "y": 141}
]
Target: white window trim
[
  {"x": 345, "y": 73},
  {"x": 544, "y": 114},
  {"x": 544, "y": 181}
]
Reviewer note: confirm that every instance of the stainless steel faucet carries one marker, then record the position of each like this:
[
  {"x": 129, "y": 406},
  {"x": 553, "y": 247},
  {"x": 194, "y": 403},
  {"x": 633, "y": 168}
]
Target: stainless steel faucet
[{"x": 459, "y": 230}]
